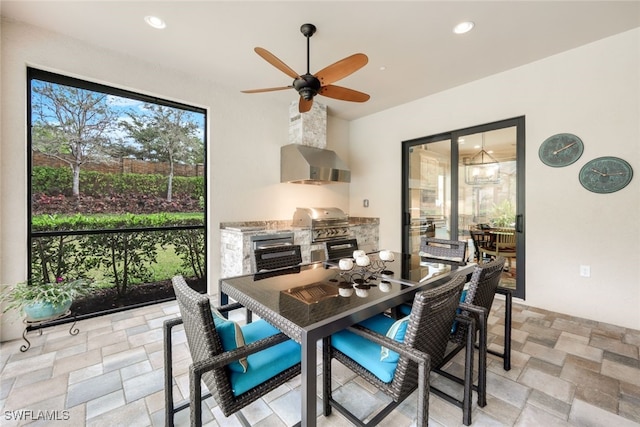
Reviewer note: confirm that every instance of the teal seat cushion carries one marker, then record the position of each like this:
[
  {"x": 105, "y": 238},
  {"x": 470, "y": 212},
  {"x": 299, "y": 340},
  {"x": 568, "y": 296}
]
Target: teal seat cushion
[
  {"x": 266, "y": 363},
  {"x": 365, "y": 352}
]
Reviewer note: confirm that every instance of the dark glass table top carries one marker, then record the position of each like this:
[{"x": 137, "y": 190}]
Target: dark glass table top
[{"x": 320, "y": 292}]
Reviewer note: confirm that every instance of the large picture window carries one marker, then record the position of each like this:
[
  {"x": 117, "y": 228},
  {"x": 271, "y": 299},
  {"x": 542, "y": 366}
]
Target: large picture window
[{"x": 117, "y": 191}]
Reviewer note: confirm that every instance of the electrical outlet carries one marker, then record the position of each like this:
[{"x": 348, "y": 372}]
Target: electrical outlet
[
  {"x": 585, "y": 271},
  {"x": 365, "y": 203}
]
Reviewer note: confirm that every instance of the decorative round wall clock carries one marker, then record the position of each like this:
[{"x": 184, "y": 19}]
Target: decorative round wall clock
[
  {"x": 560, "y": 150},
  {"x": 605, "y": 174}
]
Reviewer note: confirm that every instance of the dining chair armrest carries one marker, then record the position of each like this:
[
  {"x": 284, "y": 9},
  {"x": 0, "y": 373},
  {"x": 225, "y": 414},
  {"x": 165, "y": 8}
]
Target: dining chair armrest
[
  {"x": 464, "y": 318},
  {"x": 229, "y": 307},
  {"x": 480, "y": 311},
  {"x": 226, "y": 308},
  {"x": 482, "y": 317},
  {"x": 170, "y": 323},
  {"x": 227, "y": 357},
  {"x": 504, "y": 291},
  {"x": 400, "y": 348}
]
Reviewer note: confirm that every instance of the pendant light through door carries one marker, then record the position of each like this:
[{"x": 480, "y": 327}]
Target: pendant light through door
[{"x": 482, "y": 168}]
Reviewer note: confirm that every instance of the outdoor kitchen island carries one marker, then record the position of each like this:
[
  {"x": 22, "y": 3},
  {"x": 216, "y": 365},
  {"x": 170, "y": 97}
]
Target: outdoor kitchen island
[{"x": 237, "y": 240}]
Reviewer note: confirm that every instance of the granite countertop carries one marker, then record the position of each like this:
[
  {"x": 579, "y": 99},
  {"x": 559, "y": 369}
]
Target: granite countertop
[
  {"x": 249, "y": 226},
  {"x": 283, "y": 225},
  {"x": 360, "y": 220}
]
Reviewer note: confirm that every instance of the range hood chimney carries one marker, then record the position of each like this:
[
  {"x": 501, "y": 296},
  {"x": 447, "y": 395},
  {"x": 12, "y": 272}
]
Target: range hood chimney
[
  {"x": 306, "y": 160},
  {"x": 302, "y": 164}
]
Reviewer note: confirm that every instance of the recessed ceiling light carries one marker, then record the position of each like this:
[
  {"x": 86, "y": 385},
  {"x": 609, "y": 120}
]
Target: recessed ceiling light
[
  {"x": 155, "y": 22},
  {"x": 463, "y": 27},
  {"x": 382, "y": 68}
]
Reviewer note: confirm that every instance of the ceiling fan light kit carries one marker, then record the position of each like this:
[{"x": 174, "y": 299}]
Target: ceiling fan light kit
[{"x": 309, "y": 85}]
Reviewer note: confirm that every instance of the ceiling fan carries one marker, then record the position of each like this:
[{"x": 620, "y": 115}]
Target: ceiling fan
[{"x": 309, "y": 85}]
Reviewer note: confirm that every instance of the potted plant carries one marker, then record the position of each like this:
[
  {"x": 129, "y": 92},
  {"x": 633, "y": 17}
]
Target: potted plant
[
  {"x": 503, "y": 215},
  {"x": 44, "y": 301}
]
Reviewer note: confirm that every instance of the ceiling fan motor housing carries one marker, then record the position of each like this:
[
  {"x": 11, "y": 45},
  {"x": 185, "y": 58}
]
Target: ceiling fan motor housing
[{"x": 307, "y": 86}]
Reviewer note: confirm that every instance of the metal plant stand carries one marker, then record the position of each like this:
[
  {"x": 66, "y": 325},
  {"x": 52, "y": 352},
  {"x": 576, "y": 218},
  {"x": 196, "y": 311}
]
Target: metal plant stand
[{"x": 39, "y": 325}]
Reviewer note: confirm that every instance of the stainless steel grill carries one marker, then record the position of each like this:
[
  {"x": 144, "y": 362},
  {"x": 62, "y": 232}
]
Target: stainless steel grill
[{"x": 326, "y": 223}]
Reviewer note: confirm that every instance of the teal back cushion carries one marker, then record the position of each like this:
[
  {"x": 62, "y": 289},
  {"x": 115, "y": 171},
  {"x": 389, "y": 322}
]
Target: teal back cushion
[
  {"x": 463, "y": 296},
  {"x": 231, "y": 337},
  {"x": 396, "y": 332}
]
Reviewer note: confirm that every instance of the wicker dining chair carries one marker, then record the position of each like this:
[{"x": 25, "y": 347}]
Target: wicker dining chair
[
  {"x": 486, "y": 303},
  {"x": 480, "y": 238},
  {"x": 337, "y": 249},
  {"x": 476, "y": 303},
  {"x": 235, "y": 373},
  {"x": 406, "y": 364},
  {"x": 504, "y": 244},
  {"x": 443, "y": 250}
]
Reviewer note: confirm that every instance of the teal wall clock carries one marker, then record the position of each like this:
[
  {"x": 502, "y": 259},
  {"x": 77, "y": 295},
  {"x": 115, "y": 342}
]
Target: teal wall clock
[
  {"x": 560, "y": 150},
  {"x": 605, "y": 174}
]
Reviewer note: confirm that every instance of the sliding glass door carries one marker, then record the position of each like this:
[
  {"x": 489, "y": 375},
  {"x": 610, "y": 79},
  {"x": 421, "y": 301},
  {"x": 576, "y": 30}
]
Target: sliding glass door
[{"x": 468, "y": 185}]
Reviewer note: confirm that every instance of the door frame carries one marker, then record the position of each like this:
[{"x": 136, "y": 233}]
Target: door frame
[{"x": 453, "y": 136}]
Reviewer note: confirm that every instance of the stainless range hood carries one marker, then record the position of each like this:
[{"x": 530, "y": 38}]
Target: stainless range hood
[{"x": 303, "y": 164}]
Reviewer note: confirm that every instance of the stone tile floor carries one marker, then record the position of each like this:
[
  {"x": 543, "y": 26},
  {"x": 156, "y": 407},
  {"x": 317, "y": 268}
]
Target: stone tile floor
[{"x": 565, "y": 371}]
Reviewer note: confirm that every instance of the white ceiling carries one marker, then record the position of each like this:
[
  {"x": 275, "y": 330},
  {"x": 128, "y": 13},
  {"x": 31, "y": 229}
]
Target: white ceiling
[{"x": 412, "y": 39}]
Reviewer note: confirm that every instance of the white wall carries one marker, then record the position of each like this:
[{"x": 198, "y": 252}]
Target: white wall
[
  {"x": 593, "y": 92},
  {"x": 246, "y": 133}
]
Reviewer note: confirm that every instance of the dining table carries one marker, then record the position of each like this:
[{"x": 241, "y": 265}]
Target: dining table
[{"x": 312, "y": 301}]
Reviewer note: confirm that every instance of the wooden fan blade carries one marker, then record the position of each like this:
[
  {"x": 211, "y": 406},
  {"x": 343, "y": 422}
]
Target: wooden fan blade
[
  {"x": 269, "y": 89},
  {"x": 304, "y": 105},
  {"x": 343, "y": 93},
  {"x": 342, "y": 68},
  {"x": 273, "y": 60}
]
